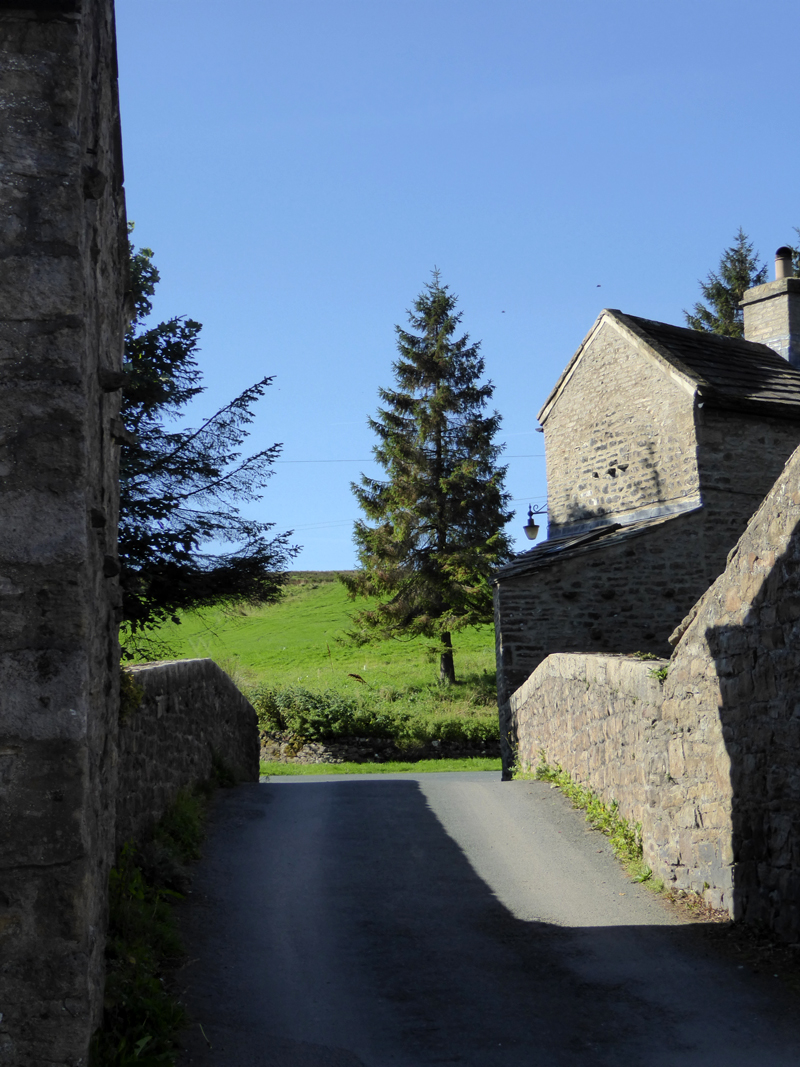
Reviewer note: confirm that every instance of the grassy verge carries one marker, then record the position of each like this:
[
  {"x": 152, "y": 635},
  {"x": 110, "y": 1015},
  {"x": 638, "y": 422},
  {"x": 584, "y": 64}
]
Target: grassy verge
[
  {"x": 142, "y": 1018},
  {"x": 425, "y": 766},
  {"x": 625, "y": 837}
]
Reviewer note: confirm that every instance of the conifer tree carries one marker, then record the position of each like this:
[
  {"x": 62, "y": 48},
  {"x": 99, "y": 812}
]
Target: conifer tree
[
  {"x": 180, "y": 487},
  {"x": 438, "y": 516},
  {"x": 739, "y": 270},
  {"x": 796, "y": 253}
]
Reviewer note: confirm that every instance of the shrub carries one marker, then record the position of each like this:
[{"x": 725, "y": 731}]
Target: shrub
[{"x": 318, "y": 716}]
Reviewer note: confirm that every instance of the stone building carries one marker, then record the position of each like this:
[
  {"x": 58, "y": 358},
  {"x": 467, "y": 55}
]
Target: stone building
[{"x": 661, "y": 442}]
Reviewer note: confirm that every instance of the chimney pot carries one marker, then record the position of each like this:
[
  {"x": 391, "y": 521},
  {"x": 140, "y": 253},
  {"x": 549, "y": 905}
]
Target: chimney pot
[{"x": 783, "y": 263}]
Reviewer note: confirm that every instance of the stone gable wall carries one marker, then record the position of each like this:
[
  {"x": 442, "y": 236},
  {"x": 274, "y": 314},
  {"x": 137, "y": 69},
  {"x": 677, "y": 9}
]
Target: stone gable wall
[
  {"x": 619, "y": 438},
  {"x": 62, "y": 280},
  {"x": 740, "y": 456},
  {"x": 191, "y": 715},
  {"x": 742, "y": 453}
]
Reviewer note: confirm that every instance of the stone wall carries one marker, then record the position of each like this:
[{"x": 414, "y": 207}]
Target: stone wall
[
  {"x": 62, "y": 281},
  {"x": 286, "y": 748},
  {"x": 740, "y": 456},
  {"x": 712, "y": 770},
  {"x": 772, "y": 316},
  {"x": 191, "y": 715},
  {"x": 603, "y": 719},
  {"x": 738, "y": 663},
  {"x": 621, "y": 436},
  {"x": 627, "y": 591}
]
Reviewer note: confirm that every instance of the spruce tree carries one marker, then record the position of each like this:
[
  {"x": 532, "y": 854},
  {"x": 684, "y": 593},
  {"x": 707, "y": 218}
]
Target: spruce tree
[
  {"x": 437, "y": 520},
  {"x": 739, "y": 270}
]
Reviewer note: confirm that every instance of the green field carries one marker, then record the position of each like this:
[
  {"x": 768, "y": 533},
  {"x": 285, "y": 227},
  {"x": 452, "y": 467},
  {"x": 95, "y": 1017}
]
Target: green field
[{"x": 300, "y": 643}]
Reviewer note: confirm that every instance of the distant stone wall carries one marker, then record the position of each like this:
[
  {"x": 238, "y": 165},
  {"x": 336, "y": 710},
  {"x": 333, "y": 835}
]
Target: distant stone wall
[
  {"x": 711, "y": 764},
  {"x": 191, "y": 714},
  {"x": 285, "y": 748},
  {"x": 62, "y": 294},
  {"x": 617, "y": 439}
]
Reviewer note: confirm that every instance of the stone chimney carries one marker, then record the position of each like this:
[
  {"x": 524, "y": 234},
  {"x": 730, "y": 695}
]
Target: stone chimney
[{"x": 772, "y": 311}]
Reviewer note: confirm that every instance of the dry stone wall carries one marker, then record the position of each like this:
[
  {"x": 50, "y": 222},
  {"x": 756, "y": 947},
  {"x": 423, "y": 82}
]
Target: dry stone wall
[
  {"x": 191, "y": 715},
  {"x": 602, "y": 719},
  {"x": 62, "y": 281},
  {"x": 287, "y": 748},
  {"x": 710, "y": 765},
  {"x": 738, "y": 661}
]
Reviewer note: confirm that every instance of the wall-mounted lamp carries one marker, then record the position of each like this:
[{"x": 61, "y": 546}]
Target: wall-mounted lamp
[{"x": 531, "y": 528}]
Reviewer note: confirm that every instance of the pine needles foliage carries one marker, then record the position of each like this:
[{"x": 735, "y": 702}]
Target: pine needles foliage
[
  {"x": 181, "y": 487},
  {"x": 739, "y": 270},
  {"x": 434, "y": 528}
]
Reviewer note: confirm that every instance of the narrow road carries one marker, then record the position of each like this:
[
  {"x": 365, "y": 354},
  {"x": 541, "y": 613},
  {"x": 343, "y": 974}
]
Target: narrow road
[{"x": 407, "y": 920}]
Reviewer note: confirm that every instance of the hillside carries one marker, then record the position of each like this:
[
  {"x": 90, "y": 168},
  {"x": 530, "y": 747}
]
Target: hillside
[{"x": 300, "y": 642}]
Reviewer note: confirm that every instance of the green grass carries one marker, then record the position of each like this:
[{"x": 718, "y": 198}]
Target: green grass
[
  {"x": 425, "y": 766},
  {"x": 299, "y": 644}
]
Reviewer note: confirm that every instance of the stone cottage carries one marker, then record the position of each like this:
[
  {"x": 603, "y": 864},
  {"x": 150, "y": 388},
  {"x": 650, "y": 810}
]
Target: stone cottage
[{"x": 661, "y": 442}]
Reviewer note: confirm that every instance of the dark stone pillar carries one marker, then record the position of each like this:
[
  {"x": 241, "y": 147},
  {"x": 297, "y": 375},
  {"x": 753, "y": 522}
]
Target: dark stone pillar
[{"x": 62, "y": 280}]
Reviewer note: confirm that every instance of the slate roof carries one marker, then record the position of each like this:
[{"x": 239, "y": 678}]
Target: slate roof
[
  {"x": 544, "y": 554},
  {"x": 729, "y": 371}
]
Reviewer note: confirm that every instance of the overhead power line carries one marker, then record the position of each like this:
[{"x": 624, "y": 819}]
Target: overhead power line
[{"x": 536, "y": 455}]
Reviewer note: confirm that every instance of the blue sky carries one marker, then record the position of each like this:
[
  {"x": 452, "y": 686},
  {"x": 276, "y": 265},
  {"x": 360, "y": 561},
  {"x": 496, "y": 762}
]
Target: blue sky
[{"x": 299, "y": 168}]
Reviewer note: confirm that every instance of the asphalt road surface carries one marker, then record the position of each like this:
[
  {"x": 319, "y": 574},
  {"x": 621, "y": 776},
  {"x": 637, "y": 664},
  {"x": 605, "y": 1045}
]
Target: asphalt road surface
[{"x": 408, "y": 920}]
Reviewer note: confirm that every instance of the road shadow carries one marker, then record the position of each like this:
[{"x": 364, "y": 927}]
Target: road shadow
[{"x": 339, "y": 924}]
